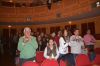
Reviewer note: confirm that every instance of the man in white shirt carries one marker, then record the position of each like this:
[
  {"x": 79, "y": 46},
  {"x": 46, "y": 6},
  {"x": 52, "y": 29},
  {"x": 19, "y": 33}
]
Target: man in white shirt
[{"x": 77, "y": 44}]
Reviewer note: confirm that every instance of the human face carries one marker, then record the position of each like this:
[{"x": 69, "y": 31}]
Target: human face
[
  {"x": 88, "y": 32},
  {"x": 76, "y": 32},
  {"x": 51, "y": 42},
  {"x": 27, "y": 33},
  {"x": 65, "y": 32}
]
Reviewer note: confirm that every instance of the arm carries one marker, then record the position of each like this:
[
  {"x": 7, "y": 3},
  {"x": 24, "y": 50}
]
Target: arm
[
  {"x": 82, "y": 43},
  {"x": 61, "y": 41},
  {"x": 45, "y": 54},
  {"x": 93, "y": 39},
  {"x": 85, "y": 39},
  {"x": 34, "y": 43},
  {"x": 20, "y": 45},
  {"x": 57, "y": 54},
  {"x": 72, "y": 41}
]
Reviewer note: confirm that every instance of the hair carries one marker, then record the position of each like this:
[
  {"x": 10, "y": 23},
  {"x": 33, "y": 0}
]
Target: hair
[
  {"x": 88, "y": 30},
  {"x": 68, "y": 34},
  {"x": 75, "y": 29},
  {"x": 50, "y": 38}
]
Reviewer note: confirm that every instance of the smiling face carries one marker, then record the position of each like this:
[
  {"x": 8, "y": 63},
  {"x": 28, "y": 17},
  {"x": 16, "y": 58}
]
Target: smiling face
[
  {"x": 51, "y": 42},
  {"x": 27, "y": 32},
  {"x": 76, "y": 32},
  {"x": 88, "y": 31},
  {"x": 65, "y": 33}
]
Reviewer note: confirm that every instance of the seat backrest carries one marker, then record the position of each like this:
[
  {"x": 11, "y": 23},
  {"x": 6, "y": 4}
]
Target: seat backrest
[
  {"x": 50, "y": 63},
  {"x": 97, "y": 50},
  {"x": 39, "y": 56},
  {"x": 63, "y": 63},
  {"x": 82, "y": 60},
  {"x": 97, "y": 59},
  {"x": 30, "y": 63}
]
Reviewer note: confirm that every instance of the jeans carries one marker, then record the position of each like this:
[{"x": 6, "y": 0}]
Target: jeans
[
  {"x": 74, "y": 57},
  {"x": 90, "y": 47},
  {"x": 67, "y": 57}
]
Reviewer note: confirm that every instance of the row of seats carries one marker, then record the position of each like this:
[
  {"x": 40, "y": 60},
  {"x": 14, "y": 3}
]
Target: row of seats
[{"x": 81, "y": 60}]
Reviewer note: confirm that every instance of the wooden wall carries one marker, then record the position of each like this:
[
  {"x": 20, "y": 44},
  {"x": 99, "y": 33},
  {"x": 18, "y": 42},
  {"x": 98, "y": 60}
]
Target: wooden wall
[{"x": 66, "y": 8}]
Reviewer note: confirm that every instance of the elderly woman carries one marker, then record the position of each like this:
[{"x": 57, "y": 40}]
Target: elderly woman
[{"x": 27, "y": 46}]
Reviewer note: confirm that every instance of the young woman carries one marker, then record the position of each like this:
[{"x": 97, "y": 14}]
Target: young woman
[
  {"x": 27, "y": 46},
  {"x": 51, "y": 51},
  {"x": 64, "y": 41}
]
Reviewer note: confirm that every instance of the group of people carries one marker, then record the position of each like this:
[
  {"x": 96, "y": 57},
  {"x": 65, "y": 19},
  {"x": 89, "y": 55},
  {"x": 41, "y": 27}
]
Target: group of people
[{"x": 60, "y": 47}]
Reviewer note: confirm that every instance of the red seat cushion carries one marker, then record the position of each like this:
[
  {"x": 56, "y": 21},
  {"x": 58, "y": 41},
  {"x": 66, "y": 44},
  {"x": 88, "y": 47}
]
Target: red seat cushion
[
  {"x": 63, "y": 63},
  {"x": 39, "y": 56},
  {"x": 50, "y": 63},
  {"x": 82, "y": 60},
  {"x": 97, "y": 60},
  {"x": 30, "y": 63},
  {"x": 97, "y": 50}
]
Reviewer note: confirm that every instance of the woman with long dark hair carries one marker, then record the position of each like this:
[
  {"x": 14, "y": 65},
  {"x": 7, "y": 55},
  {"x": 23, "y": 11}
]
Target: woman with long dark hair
[
  {"x": 51, "y": 51},
  {"x": 64, "y": 42}
]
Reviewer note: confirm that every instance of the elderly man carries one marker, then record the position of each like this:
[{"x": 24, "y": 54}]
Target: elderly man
[{"x": 27, "y": 46}]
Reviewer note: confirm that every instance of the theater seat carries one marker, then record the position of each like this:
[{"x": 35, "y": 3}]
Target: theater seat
[
  {"x": 97, "y": 60},
  {"x": 82, "y": 60},
  {"x": 50, "y": 63},
  {"x": 97, "y": 50},
  {"x": 30, "y": 63},
  {"x": 63, "y": 63},
  {"x": 39, "y": 56}
]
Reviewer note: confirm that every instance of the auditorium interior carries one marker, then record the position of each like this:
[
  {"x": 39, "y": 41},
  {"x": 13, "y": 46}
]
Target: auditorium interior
[{"x": 45, "y": 16}]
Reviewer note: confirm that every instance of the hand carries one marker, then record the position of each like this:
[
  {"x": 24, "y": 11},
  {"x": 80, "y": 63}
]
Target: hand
[
  {"x": 83, "y": 47},
  {"x": 50, "y": 58}
]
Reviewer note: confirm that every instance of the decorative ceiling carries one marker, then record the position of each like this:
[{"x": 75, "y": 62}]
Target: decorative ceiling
[{"x": 25, "y": 3}]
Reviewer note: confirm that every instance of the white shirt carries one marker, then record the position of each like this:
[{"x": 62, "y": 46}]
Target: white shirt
[
  {"x": 63, "y": 47},
  {"x": 76, "y": 46}
]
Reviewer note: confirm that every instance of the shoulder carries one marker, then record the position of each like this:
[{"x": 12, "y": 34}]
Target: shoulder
[
  {"x": 85, "y": 35},
  {"x": 33, "y": 37},
  {"x": 72, "y": 36},
  {"x": 80, "y": 36},
  {"x": 21, "y": 37},
  {"x": 45, "y": 48},
  {"x": 61, "y": 38}
]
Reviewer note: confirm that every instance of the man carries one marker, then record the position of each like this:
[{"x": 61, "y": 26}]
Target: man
[
  {"x": 77, "y": 44},
  {"x": 89, "y": 40},
  {"x": 27, "y": 46}
]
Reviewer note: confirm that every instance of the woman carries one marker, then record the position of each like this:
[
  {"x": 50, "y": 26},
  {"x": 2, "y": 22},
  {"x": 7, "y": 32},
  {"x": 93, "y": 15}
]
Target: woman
[
  {"x": 27, "y": 46},
  {"x": 64, "y": 43},
  {"x": 51, "y": 51}
]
